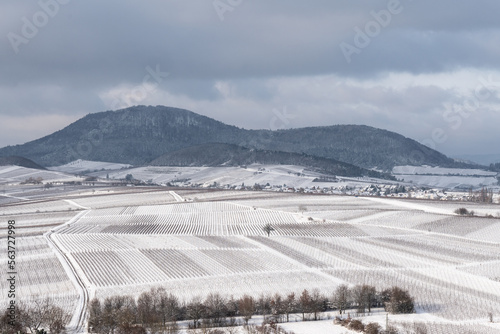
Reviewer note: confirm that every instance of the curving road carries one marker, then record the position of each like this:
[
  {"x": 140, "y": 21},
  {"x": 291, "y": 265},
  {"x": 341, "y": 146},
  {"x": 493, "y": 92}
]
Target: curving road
[{"x": 78, "y": 321}]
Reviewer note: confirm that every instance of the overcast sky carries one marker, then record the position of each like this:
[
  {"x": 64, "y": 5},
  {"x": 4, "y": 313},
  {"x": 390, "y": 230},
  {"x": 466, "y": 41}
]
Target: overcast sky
[{"x": 429, "y": 70}]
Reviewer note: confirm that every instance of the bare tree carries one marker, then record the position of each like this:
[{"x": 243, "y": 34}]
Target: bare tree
[
  {"x": 246, "y": 306},
  {"x": 278, "y": 307},
  {"x": 39, "y": 314},
  {"x": 290, "y": 305},
  {"x": 126, "y": 312},
  {"x": 305, "y": 303},
  {"x": 232, "y": 311},
  {"x": 147, "y": 312},
  {"x": 268, "y": 229},
  {"x": 341, "y": 298},
  {"x": 109, "y": 321},
  {"x": 94, "y": 324},
  {"x": 484, "y": 195},
  {"x": 196, "y": 310},
  {"x": 264, "y": 305},
  {"x": 364, "y": 296},
  {"x": 400, "y": 301},
  {"x": 169, "y": 311},
  {"x": 57, "y": 319},
  {"x": 8, "y": 325},
  {"x": 216, "y": 307},
  {"x": 317, "y": 303},
  {"x": 370, "y": 295}
]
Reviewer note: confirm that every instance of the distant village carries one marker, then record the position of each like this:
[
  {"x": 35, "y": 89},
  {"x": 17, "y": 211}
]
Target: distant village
[{"x": 357, "y": 189}]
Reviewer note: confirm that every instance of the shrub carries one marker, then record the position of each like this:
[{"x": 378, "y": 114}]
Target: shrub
[
  {"x": 391, "y": 330},
  {"x": 462, "y": 211},
  {"x": 357, "y": 325},
  {"x": 373, "y": 328},
  {"x": 345, "y": 322},
  {"x": 400, "y": 301}
]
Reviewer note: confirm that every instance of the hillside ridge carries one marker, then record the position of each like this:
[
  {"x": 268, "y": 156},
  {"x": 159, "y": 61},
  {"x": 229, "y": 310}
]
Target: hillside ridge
[
  {"x": 226, "y": 155},
  {"x": 140, "y": 134}
]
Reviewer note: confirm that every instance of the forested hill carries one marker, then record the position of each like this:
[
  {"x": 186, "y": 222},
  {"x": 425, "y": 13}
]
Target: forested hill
[
  {"x": 140, "y": 134},
  {"x": 221, "y": 155},
  {"x": 19, "y": 161},
  {"x": 359, "y": 145}
]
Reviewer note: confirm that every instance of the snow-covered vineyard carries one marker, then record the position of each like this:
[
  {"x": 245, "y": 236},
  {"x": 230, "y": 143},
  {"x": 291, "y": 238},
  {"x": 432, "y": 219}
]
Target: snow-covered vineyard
[{"x": 193, "y": 242}]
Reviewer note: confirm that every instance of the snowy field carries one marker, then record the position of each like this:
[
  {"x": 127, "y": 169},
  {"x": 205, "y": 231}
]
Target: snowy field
[
  {"x": 79, "y": 166},
  {"x": 450, "y": 182},
  {"x": 40, "y": 275},
  {"x": 282, "y": 175},
  {"x": 450, "y": 178},
  {"x": 125, "y": 240},
  {"x": 440, "y": 171},
  {"x": 289, "y": 175},
  {"x": 17, "y": 174},
  {"x": 449, "y": 263}
]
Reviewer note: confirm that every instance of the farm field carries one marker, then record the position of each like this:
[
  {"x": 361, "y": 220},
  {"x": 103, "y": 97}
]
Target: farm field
[
  {"x": 15, "y": 174},
  {"x": 79, "y": 166},
  {"x": 450, "y": 178},
  {"x": 41, "y": 275},
  {"x": 440, "y": 171},
  {"x": 192, "y": 242},
  {"x": 289, "y": 175}
]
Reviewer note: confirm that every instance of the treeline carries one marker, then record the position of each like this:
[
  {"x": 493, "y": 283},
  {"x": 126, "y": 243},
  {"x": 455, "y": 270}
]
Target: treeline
[
  {"x": 363, "y": 297},
  {"x": 484, "y": 195},
  {"x": 39, "y": 316},
  {"x": 158, "y": 311},
  {"x": 495, "y": 167}
]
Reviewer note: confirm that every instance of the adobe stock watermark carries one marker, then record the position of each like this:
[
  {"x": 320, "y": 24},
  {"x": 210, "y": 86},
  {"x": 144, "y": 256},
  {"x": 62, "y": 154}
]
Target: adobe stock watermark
[
  {"x": 149, "y": 85},
  {"x": 139, "y": 93},
  {"x": 223, "y": 6},
  {"x": 455, "y": 114},
  {"x": 373, "y": 28},
  {"x": 280, "y": 120},
  {"x": 31, "y": 26}
]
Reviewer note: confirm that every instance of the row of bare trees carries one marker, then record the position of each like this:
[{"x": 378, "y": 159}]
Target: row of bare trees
[
  {"x": 155, "y": 310},
  {"x": 484, "y": 195},
  {"x": 363, "y": 297},
  {"x": 38, "y": 316},
  {"x": 158, "y": 311}
]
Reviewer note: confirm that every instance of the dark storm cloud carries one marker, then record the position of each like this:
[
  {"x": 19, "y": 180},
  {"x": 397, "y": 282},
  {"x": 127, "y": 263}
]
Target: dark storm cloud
[
  {"x": 247, "y": 58},
  {"x": 110, "y": 41}
]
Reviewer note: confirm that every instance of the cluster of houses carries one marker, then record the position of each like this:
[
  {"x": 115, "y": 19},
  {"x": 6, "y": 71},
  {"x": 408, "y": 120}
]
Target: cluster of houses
[{"x": 353, "y": 189}]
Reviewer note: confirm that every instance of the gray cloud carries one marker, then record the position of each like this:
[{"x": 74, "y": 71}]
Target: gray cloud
[{"x": 262, "y": 56}]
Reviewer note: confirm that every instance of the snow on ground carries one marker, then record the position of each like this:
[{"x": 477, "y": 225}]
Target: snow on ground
[
  {"x": 296, "y": 325},
  {"x": 222, "y": 245},
  {"x": 289, "y": 175},
  {"x": 132, "y": 196},
  {"x": 17, "y": 174},
  {"x": 214, "y": 241},
  {"x": 488, "y": 233},
  {"x": 412, "y": 205},
  {"x": 451, "y": 178},
  {"x": 480, "y": 209},
  {"x": 316, "y": 327},
  {"x": 222, "y": 175},
  {"x": 439, "y": 171},
  {"x": 450, "y": 182},
  {"x": 40, "y": 274},
  {"x": 412, "y": 323},
  {"x": 79, "y": 166},
  {"x": 280, "y": 175}
]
